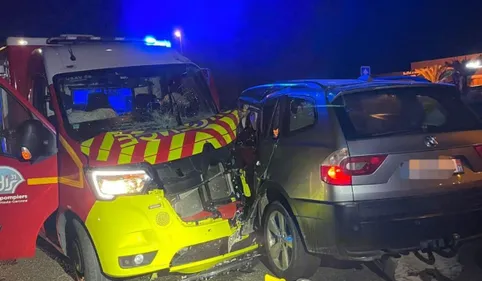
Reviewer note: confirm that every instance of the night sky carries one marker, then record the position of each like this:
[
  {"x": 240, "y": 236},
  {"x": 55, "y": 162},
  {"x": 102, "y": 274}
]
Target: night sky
[{"x": 249, "y": 42}]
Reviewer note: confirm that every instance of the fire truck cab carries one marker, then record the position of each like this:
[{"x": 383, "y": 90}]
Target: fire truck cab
[{"x": 115, "y": 152}]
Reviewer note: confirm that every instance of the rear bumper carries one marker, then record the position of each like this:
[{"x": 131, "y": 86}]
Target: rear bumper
[{"x": 368, "y": 230}]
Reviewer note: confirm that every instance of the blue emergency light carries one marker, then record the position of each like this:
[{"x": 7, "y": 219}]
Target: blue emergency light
[
  {"x": 151, "y": 41},
  {"x": 72, "y": 39}
]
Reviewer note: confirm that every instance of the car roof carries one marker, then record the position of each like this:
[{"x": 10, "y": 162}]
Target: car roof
[{"x": 261, "y": 93}]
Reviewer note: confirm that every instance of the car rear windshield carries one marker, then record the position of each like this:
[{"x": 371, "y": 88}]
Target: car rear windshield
[{"x": 404, "y": 110}]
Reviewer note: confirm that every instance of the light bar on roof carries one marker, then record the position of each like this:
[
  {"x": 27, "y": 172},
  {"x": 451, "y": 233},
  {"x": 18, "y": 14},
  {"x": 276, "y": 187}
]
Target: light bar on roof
[
  {"x": 71, "y": 39},
  {"x": 151, "y": 41}
]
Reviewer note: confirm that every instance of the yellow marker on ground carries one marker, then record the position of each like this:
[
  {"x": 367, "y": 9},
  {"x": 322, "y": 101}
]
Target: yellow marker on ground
[{"x": 268, "y": 277}]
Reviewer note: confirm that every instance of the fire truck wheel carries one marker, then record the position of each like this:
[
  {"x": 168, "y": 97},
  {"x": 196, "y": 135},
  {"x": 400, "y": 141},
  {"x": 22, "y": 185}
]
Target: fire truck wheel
[
  {"x": 286, "y": 254},
  {"x": 83, "y": 255}
]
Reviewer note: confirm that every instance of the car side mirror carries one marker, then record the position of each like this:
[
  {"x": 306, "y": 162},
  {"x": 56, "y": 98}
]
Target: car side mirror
[
  {"x": 275, "y": 133},
  {"x": 32, "y": 140}
]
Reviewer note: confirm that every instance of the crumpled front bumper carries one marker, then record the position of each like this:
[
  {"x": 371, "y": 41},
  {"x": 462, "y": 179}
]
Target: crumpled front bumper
[{"x": 148, "y": 225}]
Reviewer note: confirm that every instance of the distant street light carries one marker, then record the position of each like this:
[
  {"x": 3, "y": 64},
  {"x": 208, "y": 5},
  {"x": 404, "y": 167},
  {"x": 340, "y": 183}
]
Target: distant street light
[{"x": 178, "y": 35}]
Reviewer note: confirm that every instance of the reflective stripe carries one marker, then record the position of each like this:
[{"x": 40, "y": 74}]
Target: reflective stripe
[
  {"x": 150, "y": 153},
  {"x": 105, "y": 147},
  {"x": 67, "y": 181},
  {"x": 40, "y": 181},
  {"x": 175, "y": 150},
  {"x": 201, "y": 139},
  {"x": 220, "y": 129},
  {"x": 230, "y": 122},
  {"x": 125, "y": 155},
  {"x": 162, "y": 146},
  {"x": 85, "y": 146}
]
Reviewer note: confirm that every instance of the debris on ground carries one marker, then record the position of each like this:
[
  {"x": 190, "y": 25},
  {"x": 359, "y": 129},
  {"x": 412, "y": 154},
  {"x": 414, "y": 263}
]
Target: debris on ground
[{"x": 427, "y": 267}]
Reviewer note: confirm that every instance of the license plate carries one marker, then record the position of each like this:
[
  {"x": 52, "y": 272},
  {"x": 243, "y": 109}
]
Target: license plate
[
  {"x": 431, "y": 168},
  {"x": 459, "y": 168}
]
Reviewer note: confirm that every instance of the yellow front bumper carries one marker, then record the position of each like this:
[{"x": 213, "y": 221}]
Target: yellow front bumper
[{"x": 132, "y": 225}]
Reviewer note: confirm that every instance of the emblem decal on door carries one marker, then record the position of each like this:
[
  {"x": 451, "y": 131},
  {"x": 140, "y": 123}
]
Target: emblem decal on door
[{"x": 10, "y": 179}]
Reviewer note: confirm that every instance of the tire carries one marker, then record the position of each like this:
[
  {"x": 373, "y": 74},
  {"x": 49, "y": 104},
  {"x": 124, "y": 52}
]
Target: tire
[
  {"x": 289, "y": 262},
  {"x": 83, "y": 255}
]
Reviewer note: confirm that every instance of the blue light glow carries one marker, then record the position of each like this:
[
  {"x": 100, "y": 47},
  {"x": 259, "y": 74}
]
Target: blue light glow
[
  {"x": 151, "y": 41},
  {"x": 163, "y": 43},
  {"x": 119, "y": 98}
]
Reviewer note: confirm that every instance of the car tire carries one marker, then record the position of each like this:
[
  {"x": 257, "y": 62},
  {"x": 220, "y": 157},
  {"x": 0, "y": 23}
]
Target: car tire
[
  {"x": 286, "y": 255},
  {"x": 83, "y": 255}
]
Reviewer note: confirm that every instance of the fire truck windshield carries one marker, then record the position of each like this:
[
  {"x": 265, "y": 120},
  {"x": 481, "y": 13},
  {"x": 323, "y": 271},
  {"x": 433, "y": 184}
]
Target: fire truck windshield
[{"x": 139, "y": 98}]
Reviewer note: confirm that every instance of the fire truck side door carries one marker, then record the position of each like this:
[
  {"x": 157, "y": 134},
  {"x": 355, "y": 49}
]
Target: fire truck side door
[{"x": 28, "y": 189}]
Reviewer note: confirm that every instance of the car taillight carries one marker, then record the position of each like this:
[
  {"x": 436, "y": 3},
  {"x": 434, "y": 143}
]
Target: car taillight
[
  {"x": 478, "y": 148},
  {"x": 339, "y": 168}
]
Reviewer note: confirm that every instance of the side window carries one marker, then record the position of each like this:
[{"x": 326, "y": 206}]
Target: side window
[
  {"x": 13, "y": 114},
  {"x": 41, "y": 97},
  {"x": 302, "y": 114}
]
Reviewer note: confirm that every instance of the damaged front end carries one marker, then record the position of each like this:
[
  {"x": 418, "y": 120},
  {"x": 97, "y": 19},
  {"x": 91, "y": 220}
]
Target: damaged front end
[
  {"x": 207, "y": 186},
  {"x": 192, "y": 213}
]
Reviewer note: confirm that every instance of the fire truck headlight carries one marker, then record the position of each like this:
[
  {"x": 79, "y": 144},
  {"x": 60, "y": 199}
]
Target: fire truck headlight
[{"x": 110, "y": 183}]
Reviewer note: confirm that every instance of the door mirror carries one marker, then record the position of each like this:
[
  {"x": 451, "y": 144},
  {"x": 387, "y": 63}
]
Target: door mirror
[
  {"x": 32, "y": 139},
  {"x": 275, "y": 133}
]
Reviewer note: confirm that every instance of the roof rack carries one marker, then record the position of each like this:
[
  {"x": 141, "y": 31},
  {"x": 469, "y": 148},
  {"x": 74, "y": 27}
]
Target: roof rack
[
  {"x": 262, "y": 91},
  {"x": 409, "y": 78}
]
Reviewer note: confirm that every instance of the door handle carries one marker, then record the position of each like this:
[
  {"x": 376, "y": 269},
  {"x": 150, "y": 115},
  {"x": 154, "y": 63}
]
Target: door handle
[{"x": 258, "y": 163}]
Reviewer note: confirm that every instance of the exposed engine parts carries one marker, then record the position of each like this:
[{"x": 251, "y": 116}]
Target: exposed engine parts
[{"x": 207, "y": 185}]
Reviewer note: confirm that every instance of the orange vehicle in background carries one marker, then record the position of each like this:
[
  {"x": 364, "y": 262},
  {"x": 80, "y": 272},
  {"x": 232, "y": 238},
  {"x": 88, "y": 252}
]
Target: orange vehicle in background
[{"x": 115, "y": 152}]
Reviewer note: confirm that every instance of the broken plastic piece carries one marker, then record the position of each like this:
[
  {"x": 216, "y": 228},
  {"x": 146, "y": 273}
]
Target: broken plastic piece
[{"x": 246, "y": 189}]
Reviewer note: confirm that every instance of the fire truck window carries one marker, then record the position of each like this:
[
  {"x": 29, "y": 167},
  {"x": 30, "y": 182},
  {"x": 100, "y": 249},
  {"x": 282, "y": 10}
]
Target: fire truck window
[
  {"x": 41, "y": 97},
  {"x": 12, "y": 115}
]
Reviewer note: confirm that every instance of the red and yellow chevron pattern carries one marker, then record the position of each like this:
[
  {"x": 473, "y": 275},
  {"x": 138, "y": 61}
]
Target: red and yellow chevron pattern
[{"x": 158, "y": 147}]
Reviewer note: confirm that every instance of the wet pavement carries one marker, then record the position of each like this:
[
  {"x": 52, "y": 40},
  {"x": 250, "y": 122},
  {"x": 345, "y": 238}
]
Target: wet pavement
[{"x": 47, "y": 265}]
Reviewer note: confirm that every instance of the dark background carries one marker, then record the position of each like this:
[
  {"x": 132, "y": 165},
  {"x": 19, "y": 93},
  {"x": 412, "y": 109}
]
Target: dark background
[{"x": 250, "y": 42}]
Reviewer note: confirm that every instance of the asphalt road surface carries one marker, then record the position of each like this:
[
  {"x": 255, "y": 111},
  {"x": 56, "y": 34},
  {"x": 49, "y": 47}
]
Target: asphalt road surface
[{"x": 49, "y": 266}]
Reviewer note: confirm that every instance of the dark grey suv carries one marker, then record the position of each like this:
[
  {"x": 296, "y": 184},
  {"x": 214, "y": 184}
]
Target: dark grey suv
[{"x": 360, "y": 169}]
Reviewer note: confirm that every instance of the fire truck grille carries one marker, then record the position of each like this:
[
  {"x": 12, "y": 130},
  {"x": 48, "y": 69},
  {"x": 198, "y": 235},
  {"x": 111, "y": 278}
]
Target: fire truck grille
[
  {"x": 209, "y": 250},
  {"x": 200, "y": 252}
]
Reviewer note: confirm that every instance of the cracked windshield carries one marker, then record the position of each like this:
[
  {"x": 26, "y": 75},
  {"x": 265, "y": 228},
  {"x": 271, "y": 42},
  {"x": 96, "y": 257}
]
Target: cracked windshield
[{"x": 133, "y": 99}]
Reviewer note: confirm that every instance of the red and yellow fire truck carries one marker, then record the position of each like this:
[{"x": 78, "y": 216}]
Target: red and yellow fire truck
[{"x": 114, "y": 151}]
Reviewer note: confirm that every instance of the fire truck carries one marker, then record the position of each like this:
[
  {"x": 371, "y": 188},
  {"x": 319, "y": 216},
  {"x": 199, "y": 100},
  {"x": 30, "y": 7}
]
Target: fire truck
[{"x": 115, "y": 152}]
